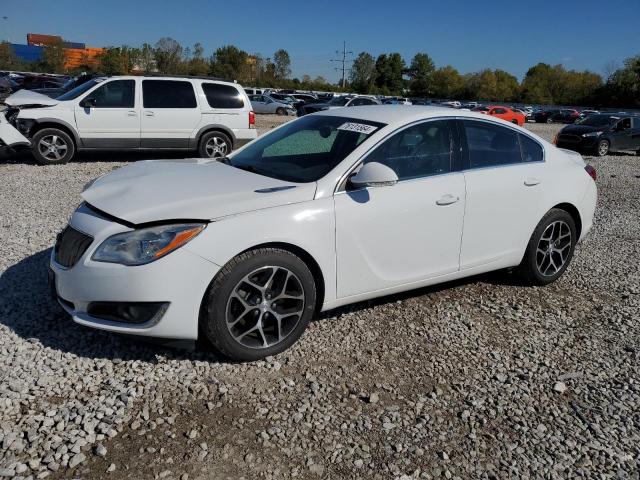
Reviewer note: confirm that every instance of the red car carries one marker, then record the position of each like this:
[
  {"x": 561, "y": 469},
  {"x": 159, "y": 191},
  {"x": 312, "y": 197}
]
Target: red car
[{"x": 504, "y": 113}]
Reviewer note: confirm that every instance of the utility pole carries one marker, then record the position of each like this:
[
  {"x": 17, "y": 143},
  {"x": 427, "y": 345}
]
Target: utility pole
[{"x": 344, "y": 62}]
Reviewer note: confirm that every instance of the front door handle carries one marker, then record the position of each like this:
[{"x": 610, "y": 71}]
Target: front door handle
[
  {"x": 131, "y": 113},
  {"x": 147, "y": 113},
  {"x": 447, "y": 199},
  {"x": 531, "y": 182}
]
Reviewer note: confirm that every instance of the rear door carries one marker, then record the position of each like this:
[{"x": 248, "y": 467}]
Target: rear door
[
  {"x": 622, "y": 135},
  {"x": 505, "y": 183},
  {"x": 170, "y": 113},
  {"x": 113, "y": 119}
]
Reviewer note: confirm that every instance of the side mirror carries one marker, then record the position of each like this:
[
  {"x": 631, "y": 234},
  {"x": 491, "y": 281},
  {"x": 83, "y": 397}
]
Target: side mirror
[
  {"x": 374, "y": 174},
  {"x": 88, "y": 102}
]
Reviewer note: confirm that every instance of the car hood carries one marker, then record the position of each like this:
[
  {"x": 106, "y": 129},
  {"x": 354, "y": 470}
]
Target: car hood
[
  {"x": 580, "y": 129},
  {"x": 193, "y": 189},
  {"x": 28, "y": 97}
]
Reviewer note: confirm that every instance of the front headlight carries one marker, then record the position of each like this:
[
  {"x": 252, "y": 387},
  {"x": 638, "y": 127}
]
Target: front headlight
[
  {"x": 592, "y": 134},
  {"x": 146, "y": 245}
]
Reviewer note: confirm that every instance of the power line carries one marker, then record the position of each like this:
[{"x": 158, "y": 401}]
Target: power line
[{"x": 344, "y": 62}]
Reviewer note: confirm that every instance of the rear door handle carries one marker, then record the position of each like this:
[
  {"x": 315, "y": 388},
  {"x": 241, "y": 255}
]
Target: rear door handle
[
  {"x": 531, "y": 182},
  {"x": 447, "y": 199},
  {"x": 132, "y": 113},
  {"x": 148, "y": 114}
]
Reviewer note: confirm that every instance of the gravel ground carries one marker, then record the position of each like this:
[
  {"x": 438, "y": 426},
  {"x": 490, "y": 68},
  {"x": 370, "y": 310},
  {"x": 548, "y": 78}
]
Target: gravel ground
[{"x": 473, "y": 379}]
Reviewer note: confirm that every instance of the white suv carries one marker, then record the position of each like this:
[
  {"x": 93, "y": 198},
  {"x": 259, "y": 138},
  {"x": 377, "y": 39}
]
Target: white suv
[{"x": 133, "y": 113}]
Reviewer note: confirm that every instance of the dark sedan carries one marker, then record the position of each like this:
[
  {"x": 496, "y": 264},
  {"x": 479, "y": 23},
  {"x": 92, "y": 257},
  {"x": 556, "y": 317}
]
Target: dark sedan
[
  {"x": 558, "y": 115},
  {"x": 597, "y": 134}
]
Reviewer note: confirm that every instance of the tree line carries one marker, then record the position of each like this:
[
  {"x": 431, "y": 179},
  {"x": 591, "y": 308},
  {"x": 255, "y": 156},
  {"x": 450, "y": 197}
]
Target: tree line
[{"x": 388, "y": 74}]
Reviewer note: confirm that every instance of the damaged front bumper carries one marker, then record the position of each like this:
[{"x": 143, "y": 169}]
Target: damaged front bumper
[{"x": 10, "y": 138}]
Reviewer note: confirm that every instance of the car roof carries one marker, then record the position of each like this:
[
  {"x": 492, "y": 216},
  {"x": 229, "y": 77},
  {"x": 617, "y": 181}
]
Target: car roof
[
  {"x": 403, "y": 114},
  {"x": 170, "y": 77}
]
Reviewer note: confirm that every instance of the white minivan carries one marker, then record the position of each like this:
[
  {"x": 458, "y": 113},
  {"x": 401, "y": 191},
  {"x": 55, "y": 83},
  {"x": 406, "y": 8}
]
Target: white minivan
[{"x": 132, "y": 113}]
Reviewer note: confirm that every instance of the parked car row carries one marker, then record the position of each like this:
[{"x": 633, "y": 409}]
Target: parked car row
[{"x": 599, "y": 133}]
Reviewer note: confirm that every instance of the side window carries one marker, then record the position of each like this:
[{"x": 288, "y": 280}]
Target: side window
[
  {"x": 114, "y": 94},
  {"x": 222, "y": 96},
  {"x": 624, "y": 124},
  {"x": 491, "y": 145},
  {"x": 419, "y": 151},
  {"x": 531, "y": 150},
  {"x": 168, "y": 94},
  {"x": 499, "y": 111}
]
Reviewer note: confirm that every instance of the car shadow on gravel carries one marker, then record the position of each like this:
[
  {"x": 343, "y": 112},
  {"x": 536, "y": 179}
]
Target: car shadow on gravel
[{"x": 28, "y": 309}]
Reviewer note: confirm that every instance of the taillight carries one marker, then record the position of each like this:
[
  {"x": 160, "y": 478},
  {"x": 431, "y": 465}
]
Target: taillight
[
  {"x": 555, "y": 139},
  {"x": 252, "y": 119},
  {"x": 591, "y": 171}
]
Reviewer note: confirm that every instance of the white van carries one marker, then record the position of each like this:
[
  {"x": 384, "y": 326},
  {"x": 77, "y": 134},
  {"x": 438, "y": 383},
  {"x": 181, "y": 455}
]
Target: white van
[{"x": 205, "y": 115}]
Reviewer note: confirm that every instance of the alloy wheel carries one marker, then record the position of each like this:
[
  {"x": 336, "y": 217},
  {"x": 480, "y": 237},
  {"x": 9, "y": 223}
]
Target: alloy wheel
[
  {"x": 553, "y": 248},
  {"x": 52, "y": 147},
  {"x": 216, "y": 147},
  {"x": 265, "y": 307},
  {"x": 603, "y": 148}
]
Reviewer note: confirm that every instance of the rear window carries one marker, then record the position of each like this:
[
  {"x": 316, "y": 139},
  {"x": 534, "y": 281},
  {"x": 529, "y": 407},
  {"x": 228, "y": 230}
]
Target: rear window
[
  {"x": 531, "y": 150},
  {"x": 168, "y": 94},
  {"x": 222, "y": 96}
]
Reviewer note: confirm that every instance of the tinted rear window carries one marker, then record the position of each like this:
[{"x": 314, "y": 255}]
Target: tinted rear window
[
  {"x": 531, "y": 150},
  {"x": 222, "y": 96},
  {"x": 168, "y": 94}
]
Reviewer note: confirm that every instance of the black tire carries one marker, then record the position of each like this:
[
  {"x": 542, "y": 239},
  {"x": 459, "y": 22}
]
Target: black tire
[
  {"x": 602, "y": 149},
  {"x": 214, "y": 145},
  {"x": 281, "y": 111},
  {"x": 529, "y": 269},
  {"x": 218, "y": 302},
  {"x": 549, "y": 120},
  {"x": 64, "y": 150},
  {"x": 514, "y": 121}
]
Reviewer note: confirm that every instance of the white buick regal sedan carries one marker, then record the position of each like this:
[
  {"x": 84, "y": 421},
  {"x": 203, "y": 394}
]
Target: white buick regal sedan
[{"x": 330, "y": 209}]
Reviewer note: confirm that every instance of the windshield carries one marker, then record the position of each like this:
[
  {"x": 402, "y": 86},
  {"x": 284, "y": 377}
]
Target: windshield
[
  {"x": 306, "y": 149},
  {"x": 339, "y": 101},
  {"x": 597, "y": 120},
  {"x": 79, "y": 90}
]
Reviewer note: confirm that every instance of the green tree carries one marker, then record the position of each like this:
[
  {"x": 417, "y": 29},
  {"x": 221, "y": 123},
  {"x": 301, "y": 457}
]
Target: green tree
[
  {"x": 493, "y": 85},
  {"x": 420, "y": 74},
  {"x": 446, "y": 82},
  {"x": 363, "y": 73},
  {"x": 623, "y": 87},
  {"x": 197, "y": 64},
  {"x": 8, "y": 58},
  {"x": 168, "y": 56},
  {"x": 282, "y": 63},
  {"x": 146, "y": 61},
  {"x": 231, "y": 63},
  {"x": 389, "y": 71}
]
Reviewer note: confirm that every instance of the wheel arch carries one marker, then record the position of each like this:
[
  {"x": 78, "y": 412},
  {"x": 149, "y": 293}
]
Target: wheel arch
[
  {"x": 307, "y": 258},
  {"x": 304, "y": 255},
  {"x": 214, "y": 128},
  {"x": 52, "y": 123},
  {"x": 575, "y": 215}
]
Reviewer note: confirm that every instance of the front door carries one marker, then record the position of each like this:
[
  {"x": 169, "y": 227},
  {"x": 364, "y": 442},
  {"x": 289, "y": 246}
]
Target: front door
[
  {"x": 109, "y": 116},
  {"x": 170, "y": 114},
  {"x": 408, "y": 232}
]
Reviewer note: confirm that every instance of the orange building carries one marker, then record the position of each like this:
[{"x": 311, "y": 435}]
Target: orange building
[{"x": 76, "y": 54}]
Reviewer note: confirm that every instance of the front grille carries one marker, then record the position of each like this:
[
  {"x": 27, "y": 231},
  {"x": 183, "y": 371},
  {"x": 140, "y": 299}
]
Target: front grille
[
  {"x": 565, "y": 137},
  {"x": 70, "y": 246}
]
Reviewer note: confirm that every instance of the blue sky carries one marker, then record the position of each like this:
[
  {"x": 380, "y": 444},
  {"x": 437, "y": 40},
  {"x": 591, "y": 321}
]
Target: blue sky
[{"x": 470, "y": 35}]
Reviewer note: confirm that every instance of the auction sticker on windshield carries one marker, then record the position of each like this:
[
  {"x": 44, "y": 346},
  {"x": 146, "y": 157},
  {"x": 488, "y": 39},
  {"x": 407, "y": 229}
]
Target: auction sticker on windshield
[{"x": 357, "y": 127}]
